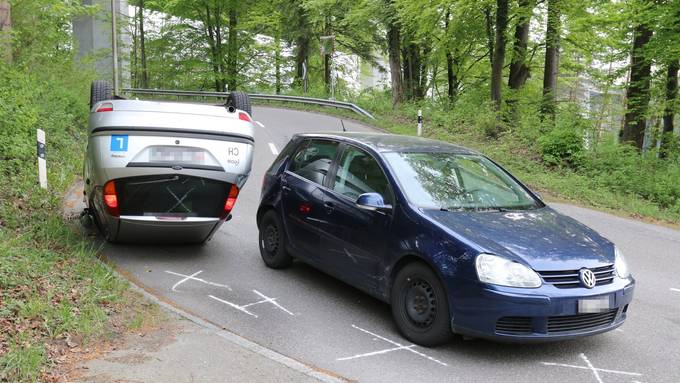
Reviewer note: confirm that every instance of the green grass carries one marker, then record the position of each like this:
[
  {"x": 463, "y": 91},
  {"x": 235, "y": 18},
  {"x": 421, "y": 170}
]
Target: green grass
[{"x": 53, "y": 287}]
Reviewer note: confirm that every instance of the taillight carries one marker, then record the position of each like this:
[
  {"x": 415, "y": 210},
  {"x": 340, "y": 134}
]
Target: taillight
[
  {"x": 105, "y": 107},
  {"x": 244, "y": 117},
  {"x": 231, "y": 201},
  {"x": 111, "y": 199}
]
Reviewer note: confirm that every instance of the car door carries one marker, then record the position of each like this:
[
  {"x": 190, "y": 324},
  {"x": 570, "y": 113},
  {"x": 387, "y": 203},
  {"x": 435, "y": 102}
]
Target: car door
[
  {"x": 354, "y": 239},
  {"x": 302, "y": 197}
]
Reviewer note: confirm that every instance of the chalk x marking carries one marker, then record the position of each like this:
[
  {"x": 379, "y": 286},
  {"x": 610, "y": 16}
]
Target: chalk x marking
[
  {"x": 261, "y": 125},
  {"x": 265, "y": 299},
  {"x": 192, "y": 277},
  {"x": 273, "y": 149},
  {"x": 399, "y": 347},
  {"x": 589, "y": 366},
  {"x": 676, "y": 290}
]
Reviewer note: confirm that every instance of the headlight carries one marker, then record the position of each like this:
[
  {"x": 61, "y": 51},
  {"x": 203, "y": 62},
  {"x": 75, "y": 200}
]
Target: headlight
[
  {"x": 620, "y": 264},
  {"x": 500, "y": 271}
]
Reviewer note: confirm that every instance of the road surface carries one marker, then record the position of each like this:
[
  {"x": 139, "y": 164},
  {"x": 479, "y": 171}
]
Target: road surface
[{"x": 311, "y": 317}]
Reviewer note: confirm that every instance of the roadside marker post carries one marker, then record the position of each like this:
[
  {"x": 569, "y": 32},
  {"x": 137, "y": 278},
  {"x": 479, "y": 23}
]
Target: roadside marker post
[
  {"x": 420, "y": 122},
  {"x": 42, "y": 160}
]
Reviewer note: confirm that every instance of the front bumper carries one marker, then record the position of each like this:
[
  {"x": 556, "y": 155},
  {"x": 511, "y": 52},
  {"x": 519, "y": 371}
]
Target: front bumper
[{"x": 543, "y": 314}]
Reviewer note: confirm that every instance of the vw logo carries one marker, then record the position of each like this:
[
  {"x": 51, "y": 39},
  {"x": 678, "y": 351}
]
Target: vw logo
[{"x": 588, "y": 278}]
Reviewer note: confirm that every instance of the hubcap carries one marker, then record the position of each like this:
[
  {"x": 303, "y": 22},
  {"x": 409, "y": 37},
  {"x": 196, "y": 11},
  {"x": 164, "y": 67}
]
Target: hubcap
[
  {"x": 421, "y": 303},
  {"x": 271, "y": 239}
]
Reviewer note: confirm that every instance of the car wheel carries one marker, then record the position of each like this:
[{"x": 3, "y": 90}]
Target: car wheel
[
  {"x": 273, "y": 242},
  {"x": 100, "y": 90},
  {"x": 420, "y": 307},
  {"x": 240, "y": 100}
]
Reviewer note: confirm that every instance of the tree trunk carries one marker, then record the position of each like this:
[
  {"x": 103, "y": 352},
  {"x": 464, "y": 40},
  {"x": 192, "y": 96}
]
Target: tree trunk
[
  {"x": 302, "y": 46},
  {"x": 327, "y": 54},
  {"x": 413, "y": 70},
  {"x": 277, "y": 61},
  {"x": 519, "y": 70},
  {"x": 637, "y": 93},
  {"x": 499, "y": 53},
  {"x": 214, "y": 53},
  {"x": 671, "y": 95},
  {"x": 552, "y": 49},
  {"x": 394, "y": 49},
  {"x": 452, "y": 76},
  {"x": 488, "y": 17},
  {"x": 5, "y": 28},
  {"x": 232, "y": 48},
  {"x": 144, "y": 78}
]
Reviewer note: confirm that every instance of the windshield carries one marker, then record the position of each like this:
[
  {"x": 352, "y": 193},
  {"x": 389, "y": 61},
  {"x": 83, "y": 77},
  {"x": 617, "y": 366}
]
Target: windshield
[{"x": 452, "y": 181}]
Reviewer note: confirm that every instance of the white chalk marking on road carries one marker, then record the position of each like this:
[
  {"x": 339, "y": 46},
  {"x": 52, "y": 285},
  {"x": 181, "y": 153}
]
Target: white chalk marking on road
[
  {"x": 589, "y": 366},
  {"x": 237, "y": 307},
  {"x": 398, "y": 347},
  {"x": 265, "y": 299},
  {"x": 618, "y": 330},
  {"x": 676, "y": 290},
  {"x": 272, "y": 301},
  {"x": 193, "y": 278},
  {"x": 261, "y": 125},
  {"x": 273, "y": 149}
]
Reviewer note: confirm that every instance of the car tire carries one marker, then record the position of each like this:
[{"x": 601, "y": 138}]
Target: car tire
[
  {"x": 420, "y": 306},
  {"x": 272, "y": 240},
  {"x": 100, "y": 90},
  {"x": 241, "y": 101},
  {"x": 102, "y": 227}
]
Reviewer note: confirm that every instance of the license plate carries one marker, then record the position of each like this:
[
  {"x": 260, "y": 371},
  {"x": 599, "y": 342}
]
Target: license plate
[
  {"x": 594, "y": 305},
  {"x": 177, "y": 155}
]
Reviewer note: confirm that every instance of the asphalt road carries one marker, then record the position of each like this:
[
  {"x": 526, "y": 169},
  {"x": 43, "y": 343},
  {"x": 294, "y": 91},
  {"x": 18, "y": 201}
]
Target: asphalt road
[{"x": 311, "y": 317}]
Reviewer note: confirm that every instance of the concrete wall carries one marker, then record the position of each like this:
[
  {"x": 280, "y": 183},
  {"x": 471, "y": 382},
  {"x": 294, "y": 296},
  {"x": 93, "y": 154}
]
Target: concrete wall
[{"x": 93, "y": 37}]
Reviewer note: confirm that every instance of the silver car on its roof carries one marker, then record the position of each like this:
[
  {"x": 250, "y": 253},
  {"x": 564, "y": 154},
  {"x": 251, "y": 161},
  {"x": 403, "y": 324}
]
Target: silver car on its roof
[{"x": 164, "y": 171}]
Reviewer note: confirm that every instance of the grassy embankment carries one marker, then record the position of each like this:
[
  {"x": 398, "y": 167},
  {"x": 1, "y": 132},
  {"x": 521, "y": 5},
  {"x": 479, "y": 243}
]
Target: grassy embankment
[{"x": 57, "y": 300}]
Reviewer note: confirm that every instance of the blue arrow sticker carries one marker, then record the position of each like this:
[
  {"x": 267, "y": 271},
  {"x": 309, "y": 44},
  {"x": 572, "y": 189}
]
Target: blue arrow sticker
[{"x": 119, "y": 142}]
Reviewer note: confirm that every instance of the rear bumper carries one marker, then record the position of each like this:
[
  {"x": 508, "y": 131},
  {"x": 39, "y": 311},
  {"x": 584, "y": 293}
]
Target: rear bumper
[
  {"x": 504, "y": 314},
  {"x": 140, "y": 229}
]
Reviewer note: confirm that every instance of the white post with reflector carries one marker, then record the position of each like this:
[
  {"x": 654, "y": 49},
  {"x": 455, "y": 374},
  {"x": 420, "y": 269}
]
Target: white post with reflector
[
  {"x": 420, "y": 122},
  {"x": 42, "y": 161}
]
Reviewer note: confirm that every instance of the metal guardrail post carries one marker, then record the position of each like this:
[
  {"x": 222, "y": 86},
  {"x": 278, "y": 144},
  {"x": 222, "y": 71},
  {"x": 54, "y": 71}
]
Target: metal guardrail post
[{"x": 255, "y": 96}]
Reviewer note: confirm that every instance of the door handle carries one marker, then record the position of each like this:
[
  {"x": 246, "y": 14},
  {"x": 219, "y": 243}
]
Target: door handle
[
  {"x": 329, "y": 207},
  {"x": 285, "y": 188}
]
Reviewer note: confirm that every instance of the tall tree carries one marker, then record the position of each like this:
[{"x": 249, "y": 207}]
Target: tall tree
[
  {"x": 519, "y": 69},
  {"x": 5, "y": 28},
  {"x": 232, "y": 47},
  {"x": 394, "y": 53},
  {"x": 144, "y": 76},
  {"x": 552, "y": 51},
  {"x": 498, "y": 59},
  {"x": 637, "y": 92},
  {"x": 671, "y": 96}
]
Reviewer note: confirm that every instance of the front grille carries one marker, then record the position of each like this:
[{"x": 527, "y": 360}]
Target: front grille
[
  {"x": 580, "y": 322},
  {"x": 570, "y": 278},
  {"x": 514, "y": 325}
]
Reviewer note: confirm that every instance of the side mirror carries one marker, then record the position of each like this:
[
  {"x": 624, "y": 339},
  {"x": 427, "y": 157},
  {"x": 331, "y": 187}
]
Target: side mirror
[{"x": 372, "y": 202}]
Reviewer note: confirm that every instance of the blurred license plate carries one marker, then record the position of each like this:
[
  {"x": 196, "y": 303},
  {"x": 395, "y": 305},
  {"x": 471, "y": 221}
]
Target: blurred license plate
[
  {"x": 593, "y": 305},
  {"x": 177, "y": 155}
]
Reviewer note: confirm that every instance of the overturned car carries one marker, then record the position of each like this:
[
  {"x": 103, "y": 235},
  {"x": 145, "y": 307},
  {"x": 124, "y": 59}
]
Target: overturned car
[{"x": 165, "y": 171}]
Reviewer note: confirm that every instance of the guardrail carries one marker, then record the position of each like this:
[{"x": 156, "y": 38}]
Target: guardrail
[{"x": 255, "y": 96}]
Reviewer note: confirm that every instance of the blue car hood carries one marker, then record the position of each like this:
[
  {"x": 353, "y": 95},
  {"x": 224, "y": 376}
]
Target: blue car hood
[{"x": 543, "y": 238}]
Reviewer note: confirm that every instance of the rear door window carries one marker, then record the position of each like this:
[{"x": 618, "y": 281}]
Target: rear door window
[{"x": 313, "y": 160}]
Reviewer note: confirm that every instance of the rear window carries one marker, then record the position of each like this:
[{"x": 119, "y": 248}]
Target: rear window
[{"x": 171, "y": 195}]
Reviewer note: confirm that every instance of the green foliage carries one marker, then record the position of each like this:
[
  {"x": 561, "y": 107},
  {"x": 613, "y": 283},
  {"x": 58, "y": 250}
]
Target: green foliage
[{"x": 564, "y": 144}]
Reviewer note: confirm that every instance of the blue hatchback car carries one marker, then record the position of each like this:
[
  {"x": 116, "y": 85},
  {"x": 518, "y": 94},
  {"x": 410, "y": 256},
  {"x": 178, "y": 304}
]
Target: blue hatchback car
[{"x": 450, "y": 239}]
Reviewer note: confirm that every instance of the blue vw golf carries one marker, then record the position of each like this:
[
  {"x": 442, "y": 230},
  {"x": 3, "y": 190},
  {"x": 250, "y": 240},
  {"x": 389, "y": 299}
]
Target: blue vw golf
[{"x": 451, "y": 240}]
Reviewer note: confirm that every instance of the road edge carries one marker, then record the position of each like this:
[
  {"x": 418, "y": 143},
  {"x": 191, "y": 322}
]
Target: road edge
[{"x": 231, "y": 337}]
